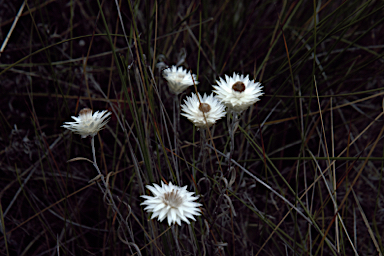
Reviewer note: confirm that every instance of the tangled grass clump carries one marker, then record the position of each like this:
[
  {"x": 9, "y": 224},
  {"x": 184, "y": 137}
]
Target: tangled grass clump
[{"x": 296, "y": 168}]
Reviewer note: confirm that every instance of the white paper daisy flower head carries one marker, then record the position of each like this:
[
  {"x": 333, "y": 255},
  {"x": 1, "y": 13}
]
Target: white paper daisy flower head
[
  {"x": 238, "y": 92},
  {"x": 172, "y": 202},
  {"x": 210, "y": 106},
  {"x": 87, "y": 124},
  {"x": 178, "y": 79}
]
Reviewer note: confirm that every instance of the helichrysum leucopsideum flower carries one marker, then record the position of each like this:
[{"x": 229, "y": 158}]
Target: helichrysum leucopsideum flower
[
  {"x": 172, "y": 202},
  {"x": 178, "y": 79},
  {"x": 87, "y": 124},
  {"x": 238, "y": 92},
  {"x": 210, "y": 106}
]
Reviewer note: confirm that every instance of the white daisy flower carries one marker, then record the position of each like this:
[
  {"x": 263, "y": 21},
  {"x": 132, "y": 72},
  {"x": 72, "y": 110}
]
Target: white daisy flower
[
  {"x": 210, "y": 106},
  {"x": 238, "y": 92},
  {"x": 172, "y": 202},
  {"x": 178, "y": 79},
  {"x": 87, "y": 124}
]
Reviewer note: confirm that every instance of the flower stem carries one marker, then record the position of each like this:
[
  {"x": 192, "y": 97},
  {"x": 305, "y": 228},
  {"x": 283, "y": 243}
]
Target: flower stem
[
  {"x": 175, "y": 237},
  {"x": 94, "y": 154},
  {"x": 176, "y": 122},
  {"x": 202, "y": 144},
  {"x": 231, "y": 128},
  {"x": 107, "y": 191}
]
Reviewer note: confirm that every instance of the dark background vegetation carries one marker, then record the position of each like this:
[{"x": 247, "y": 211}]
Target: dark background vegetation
[{"x": 65, "y": 55}]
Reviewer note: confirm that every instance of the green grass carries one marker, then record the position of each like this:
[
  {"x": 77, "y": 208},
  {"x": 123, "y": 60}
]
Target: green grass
[{"x": 308, "y": 158}]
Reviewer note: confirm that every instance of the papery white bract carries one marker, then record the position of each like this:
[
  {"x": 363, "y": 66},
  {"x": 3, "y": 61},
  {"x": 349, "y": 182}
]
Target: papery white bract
[
  {"x": 238, "y": 92},
  {"x": 178, "y": 79},
  {"x": 210, "y": 107},
  {"x": 172, "y": 202},
  {"x": 87, "y": 124}
]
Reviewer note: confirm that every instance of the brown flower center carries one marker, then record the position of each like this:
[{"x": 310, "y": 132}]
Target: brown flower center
[
  {"x": 204, "y": 107},
  {"x": 85, "y": 111},
  {"x": 238, "y": 86},
  {"x": 172, "y": 199},
  {"x": 180, "y": 77}
]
